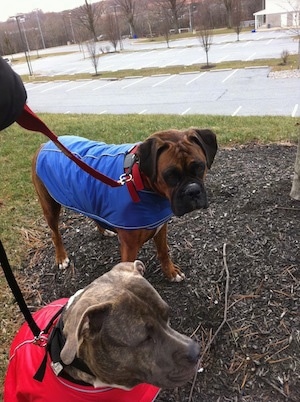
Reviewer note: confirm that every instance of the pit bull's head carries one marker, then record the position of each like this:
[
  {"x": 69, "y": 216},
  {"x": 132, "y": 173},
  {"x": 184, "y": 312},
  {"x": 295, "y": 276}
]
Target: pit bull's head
[{"x": 119, "y": 326}]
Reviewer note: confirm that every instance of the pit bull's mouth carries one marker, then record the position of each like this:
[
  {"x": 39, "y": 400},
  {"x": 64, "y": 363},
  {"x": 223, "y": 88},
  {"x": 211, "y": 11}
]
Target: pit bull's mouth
[
  {"x": 180, "y": 378},
  {"x": 188, "y": 198}
]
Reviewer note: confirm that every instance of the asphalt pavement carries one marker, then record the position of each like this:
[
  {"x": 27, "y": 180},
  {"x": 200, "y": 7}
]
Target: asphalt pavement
[{"x": 247, "y": 91}]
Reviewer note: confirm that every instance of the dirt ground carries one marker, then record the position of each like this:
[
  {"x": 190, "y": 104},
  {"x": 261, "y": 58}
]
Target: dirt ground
[{"x": 250, "y": 237}]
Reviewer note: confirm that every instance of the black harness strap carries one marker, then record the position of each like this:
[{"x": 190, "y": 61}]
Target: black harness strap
[{"x": 11, "y": 280}]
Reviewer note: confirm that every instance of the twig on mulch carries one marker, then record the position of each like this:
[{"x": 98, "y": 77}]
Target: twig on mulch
[
  {"x": 288, "y": 208},
  {"x": 208, "y": 345}
]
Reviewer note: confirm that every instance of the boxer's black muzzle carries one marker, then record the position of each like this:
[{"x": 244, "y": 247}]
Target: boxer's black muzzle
[{"x": 189, "y": 197}]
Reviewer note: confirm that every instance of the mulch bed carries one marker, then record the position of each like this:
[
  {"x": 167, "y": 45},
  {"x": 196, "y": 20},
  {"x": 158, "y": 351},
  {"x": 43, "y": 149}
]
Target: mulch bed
[{"x": 250, "y": 237}]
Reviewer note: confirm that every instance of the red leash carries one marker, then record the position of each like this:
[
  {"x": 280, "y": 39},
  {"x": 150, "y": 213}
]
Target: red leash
[{"x": 32, "y": 122}]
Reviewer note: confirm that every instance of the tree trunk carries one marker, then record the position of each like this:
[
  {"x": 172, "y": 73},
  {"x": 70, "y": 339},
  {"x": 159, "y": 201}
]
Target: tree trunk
[{"x": 295, "y": 191}]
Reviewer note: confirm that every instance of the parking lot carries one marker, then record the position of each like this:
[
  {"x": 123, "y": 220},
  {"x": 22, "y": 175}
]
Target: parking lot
[
  {"x": 145, "y": 54},
  {"x": 242, "y": 92}
]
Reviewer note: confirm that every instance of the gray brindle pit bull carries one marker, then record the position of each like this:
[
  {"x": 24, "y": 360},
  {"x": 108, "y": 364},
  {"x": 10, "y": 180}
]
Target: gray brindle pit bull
[{"x": 118, "y": 328}]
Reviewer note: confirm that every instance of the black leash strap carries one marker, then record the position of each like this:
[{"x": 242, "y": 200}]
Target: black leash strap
[{"x": 11, "y": 280}]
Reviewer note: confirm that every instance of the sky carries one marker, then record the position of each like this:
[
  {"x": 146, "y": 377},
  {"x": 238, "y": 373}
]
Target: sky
[{"x": 13, "y": 7}]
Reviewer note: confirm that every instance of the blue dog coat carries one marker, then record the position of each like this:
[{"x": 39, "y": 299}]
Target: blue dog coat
[{"x": 73, "y": 188}]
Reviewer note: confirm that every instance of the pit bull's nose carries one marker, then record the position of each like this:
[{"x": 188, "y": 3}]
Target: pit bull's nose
[{"x": 193, "y": 352}]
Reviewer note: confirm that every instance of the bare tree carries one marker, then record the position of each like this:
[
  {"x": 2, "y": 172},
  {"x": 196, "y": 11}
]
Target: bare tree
[
  {"x": 92, "y": 50},
  {"x": 111, "y": 30},
  {"x": 8, "y": 45},
  {"x": 205, "y": 33},
  {"x": 229, "y": 6},
  {"x": 237, "y": 17},
  {"x": 88, "y": 15},
  {"x": 128, "y": 9},
  {"x": 165, "y": 25},
  {"x": 174, "y": 8}
]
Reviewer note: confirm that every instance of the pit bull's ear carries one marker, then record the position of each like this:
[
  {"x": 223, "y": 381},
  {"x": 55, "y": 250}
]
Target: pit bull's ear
[
  {"x": 208, "y": 142},
  {"x": 139, "y": 267},
  {"x": 90, "y": 323},
  {"x": 148, "y": 153}
]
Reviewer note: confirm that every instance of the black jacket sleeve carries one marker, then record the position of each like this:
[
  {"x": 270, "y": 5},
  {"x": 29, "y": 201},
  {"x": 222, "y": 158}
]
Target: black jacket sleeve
[{"x": 12, "y": 95}]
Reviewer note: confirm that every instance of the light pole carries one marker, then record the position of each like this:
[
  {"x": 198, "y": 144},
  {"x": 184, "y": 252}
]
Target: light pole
[
  {"x": 72, "y": 29},
  {"x": 18, "y": 18},
  {"x": 39, "y": 26}
]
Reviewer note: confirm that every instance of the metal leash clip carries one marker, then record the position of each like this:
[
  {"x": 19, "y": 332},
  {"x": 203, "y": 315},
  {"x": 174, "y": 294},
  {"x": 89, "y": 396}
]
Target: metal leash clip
[
  {"x": 41, "y": 340},
  {"x": 125, "y": 178}
]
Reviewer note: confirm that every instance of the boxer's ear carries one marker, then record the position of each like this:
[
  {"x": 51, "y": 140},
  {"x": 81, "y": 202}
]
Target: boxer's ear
[
  {"x": 208, "y": 141},
  {"x": 148, "y": 153},
  {"x": 90, "y": 323}
]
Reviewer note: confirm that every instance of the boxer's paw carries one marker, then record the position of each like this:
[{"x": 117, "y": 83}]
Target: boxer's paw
[
  {"x": 173, "y": 273},
  {"x": 63, "y": 264},
  {"x": 109, "y": 233},
  {"x": 179, "y": 277}
]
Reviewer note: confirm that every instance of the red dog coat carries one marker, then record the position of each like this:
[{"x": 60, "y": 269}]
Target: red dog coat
[{"x": 25, "y": 359}]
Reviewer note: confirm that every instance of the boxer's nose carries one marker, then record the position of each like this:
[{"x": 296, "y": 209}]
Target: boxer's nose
[
  {"x": 195, "y": 192},
  {"x": 192, "y": 190}
]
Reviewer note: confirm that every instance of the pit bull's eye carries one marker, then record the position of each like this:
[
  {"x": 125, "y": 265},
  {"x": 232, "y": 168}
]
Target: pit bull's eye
[{"x": 172, "y": 177}]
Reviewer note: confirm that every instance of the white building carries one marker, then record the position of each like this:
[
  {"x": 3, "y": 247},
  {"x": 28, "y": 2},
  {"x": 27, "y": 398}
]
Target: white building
[{"x": 278, "y": 14}]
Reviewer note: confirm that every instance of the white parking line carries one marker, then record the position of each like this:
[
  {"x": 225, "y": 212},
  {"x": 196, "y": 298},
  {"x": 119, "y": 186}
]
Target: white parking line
[
  {"x": 161, "y": 82},
  {"x": 126, "y": 66},
  {"x": 37, "y": 86},
  {"x": 269, "y": 41},
  {"x": 104, "y": 85},
  {"x": 246, "y": 44},
  {"x": 171, "y": 63},
  {"x": 230, "y": 75},
  {"x": 222, "y": 58},
  {"x": 186, "y": 110},
  {"x": 236, "y": 111},
  {"x": 146, "y": 54},
  {"x": 196, "y": 78},
  {"x": 134, "y": 83},
  {"x": 107, "y": 67},
  {"x": 78, "y": 86},
  {"x": 54, "y": 87},
  {"x": 227, "y": 44},
  {"x": 295, "y": 110},
  {"x": 251, "y": 56}
]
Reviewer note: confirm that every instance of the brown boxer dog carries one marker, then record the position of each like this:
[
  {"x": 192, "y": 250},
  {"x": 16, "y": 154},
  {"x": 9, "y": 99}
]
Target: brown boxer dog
[
  {"x": 171, "y": 166},
  {"x": 114, "y": 336}
]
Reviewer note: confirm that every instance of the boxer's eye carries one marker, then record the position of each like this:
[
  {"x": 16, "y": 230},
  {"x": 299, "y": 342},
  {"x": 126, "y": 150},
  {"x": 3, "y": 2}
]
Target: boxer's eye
[
  {"x": 197, "y": 168},
  {"x": 172, "y": 177}
]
